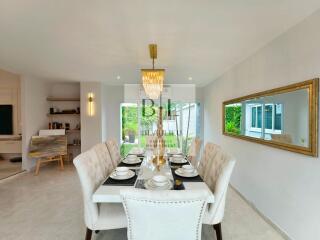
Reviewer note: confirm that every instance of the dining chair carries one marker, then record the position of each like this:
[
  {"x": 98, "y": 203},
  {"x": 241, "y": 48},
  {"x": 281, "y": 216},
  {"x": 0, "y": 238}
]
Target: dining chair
[
  {"x": 114, "y": 151},
  {"x": 58, "y": 155},
  {"x": 216, "y": 169},
  {"x": 194, "y": 150},
  {"x": 104, "y": 157},
  {"x": 164, "y": 215},
  {"x": 102, "y": 216}
]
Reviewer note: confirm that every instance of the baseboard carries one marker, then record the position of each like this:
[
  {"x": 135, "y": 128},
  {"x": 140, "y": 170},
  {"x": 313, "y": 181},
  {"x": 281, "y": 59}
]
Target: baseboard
[
  {"x": 268, "y": 220},
  {"x": 12, "y": 176}
]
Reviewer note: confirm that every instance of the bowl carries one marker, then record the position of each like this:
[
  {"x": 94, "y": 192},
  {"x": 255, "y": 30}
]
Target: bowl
[
  {"x": 122, "y": 171},
  {"x": 131, "y": 158},
  {"x": 137, "y": 151},
  {"x": 187, "y": 168},
  {"x": 159, "y": 180},
  {"x": 174, "y": 151},
  {"x": 177, "y": 158}
]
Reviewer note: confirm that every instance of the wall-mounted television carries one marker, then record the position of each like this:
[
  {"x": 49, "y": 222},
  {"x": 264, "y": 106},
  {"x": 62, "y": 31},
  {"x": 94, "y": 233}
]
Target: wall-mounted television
[{"x": 6, "y": 120}]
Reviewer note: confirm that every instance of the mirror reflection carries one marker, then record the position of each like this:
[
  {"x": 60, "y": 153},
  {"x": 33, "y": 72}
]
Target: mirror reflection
[{"x": 280, "y": 118}]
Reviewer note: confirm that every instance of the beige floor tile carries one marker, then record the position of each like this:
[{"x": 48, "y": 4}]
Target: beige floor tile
[{"x": 49, "y": 207}]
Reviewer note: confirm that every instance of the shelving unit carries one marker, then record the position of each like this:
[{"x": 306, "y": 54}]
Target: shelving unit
[
  {"x": 63, "y": 114},
  {"x": 72, "y": 118},
  {"x": 55, "y": 99}
]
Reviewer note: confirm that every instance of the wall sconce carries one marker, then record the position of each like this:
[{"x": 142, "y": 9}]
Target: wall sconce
[{"x": 90, "y": 104}]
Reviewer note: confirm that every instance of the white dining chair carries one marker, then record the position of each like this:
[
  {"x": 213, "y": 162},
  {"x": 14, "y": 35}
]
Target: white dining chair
[
  {"x": 114, "y": 151},
  {"x": 216, "y": 169},
  {"x": 104, "y": 157},
  {"x": 102, "y": 216},
  {"x": 164, "y": 215},
  {"x": 194, "y": 150}
]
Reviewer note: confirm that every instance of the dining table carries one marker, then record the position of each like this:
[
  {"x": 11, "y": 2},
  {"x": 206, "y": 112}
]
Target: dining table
[{"x": 109, "y": 190}]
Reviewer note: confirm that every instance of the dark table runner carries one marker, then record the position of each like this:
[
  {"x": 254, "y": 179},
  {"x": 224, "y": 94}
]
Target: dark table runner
[
  {"x": 185, "y": 179},
  {"x": 177, "y": 165},
  {"x": 126, "y": 182}
]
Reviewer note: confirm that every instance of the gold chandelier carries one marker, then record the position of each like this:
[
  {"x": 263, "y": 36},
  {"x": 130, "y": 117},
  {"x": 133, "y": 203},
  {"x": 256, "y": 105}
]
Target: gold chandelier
[{"x": 152, "y": 79}]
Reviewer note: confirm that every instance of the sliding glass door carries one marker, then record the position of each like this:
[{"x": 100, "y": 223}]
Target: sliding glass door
[{"x": 181, "y": 123}]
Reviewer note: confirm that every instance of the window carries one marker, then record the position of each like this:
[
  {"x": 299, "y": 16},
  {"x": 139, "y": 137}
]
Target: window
[
  {"x": 138, "y": 121},
  {"x": 255, "y": 116},
  {"x": 272, "y": 117},
  {"x": 277, "y": 116}
]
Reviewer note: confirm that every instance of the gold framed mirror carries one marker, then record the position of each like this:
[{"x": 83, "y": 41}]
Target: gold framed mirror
[{"x": 285, "y": 117}]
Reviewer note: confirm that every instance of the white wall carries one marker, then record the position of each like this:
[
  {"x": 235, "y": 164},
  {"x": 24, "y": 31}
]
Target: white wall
[
  {"x": 91, "y": 126},
  {"x": 34, "y": 109},
  {"x": 284, "y": 186},
  {"x": 112, "y": 98}
]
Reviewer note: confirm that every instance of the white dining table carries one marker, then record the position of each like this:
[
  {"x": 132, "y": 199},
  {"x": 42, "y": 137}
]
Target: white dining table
[{"x": 111, "y": 193}]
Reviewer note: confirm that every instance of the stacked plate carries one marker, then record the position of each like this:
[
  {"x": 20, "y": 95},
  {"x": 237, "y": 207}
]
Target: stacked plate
[
  {"x": 158, "y": 182},
  {"x": 178, "y": 159},
  {"x": 122, "y": 173},
  {"x": 131, "y": 159},
  {"x": 172, "y": 151},
  {"x": 186, "y": 171},
  {"x": 136, "y": 151}
]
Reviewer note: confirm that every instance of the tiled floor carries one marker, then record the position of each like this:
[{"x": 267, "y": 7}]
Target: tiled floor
[
  {"x": 49, "y": 207},
  {"x": 8, "y": 168}
]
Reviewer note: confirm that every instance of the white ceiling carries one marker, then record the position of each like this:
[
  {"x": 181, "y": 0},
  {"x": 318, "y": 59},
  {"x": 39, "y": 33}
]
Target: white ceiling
[{"x": 97, "y": 40}]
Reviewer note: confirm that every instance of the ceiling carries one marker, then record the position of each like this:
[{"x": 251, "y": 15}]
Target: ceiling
[{"x": 98, "y": 40}]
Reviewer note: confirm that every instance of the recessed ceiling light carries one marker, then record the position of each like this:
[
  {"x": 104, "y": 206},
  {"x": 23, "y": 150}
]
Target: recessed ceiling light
[
  {"x": 118, "y": 77},
  {"x": 190, "y": 78}
]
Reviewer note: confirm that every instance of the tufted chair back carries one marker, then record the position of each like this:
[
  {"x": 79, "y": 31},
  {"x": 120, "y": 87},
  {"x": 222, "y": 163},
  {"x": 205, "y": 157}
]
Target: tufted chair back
[
  {"x": 217, "y": 173},
  {"x": 209, "y": 153},
  {"x": 114, "y": 151},
  {"x": 104, "y": 157},
  {"x": 91, "y": 174},
  {"x": 163, "y": 215},
  {"x": 194, "y": 151}
]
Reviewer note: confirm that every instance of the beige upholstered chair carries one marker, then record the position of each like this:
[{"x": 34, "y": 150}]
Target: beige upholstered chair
[
  {"x": 284, "y": 138},
  {"x": 194, "y": 150},
  {"x": 114, "y": 151},
  {"x": 164, "y": 215},
  {"x": 104, "y": 157},
  {"x": 216, "y": 168},
  {"x": 92, "y": 172}
]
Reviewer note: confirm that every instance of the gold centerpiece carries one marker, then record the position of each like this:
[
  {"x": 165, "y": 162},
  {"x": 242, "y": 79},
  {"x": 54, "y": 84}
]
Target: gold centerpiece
[{"x": 159, "y": 143}]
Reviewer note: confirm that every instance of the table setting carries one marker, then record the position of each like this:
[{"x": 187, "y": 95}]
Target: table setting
[
  {"x": 174, "y": 172},
  {"x": 148, "y": 173}
]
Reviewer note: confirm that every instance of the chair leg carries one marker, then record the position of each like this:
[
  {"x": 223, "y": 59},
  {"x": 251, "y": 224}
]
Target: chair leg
[
  {"x": 217, "y": 228},
  {"x": 88, "y": 234},
  {"x": 38, "y": 167},
  {"x": 61, "y": 162}
]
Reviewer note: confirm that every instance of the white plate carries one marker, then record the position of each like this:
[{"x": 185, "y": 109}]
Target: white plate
[
  {"x": 137, "y": 151},
  {"x": 150, "y": 185},
  {"x": 114, "y": 176},
  {"x": 180, "y": 173},
  {"x": 138, "y": 160},
  {"x": 174, "y": 151},
  {"x": 178, "y": 159}
]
